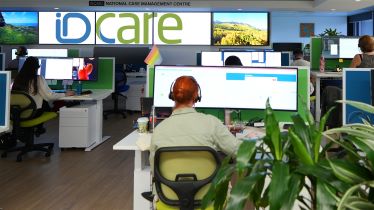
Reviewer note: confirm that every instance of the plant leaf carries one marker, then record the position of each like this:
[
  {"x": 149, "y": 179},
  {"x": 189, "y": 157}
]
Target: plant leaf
[
  {"x": 299, "y": 148},
  {"x": 241, "y": 191},
  {"x": 273, "y": 132},
  {"x": 245, "y": 153},
  {"x": 359, "y": 105},
  {"x": 348, "y": 172},
  {"x": 302, "y": 131},
  {"x": 347, "y": 198},
  {"x": 325, "y": 196},
  {"x": 279, "y": 185}
]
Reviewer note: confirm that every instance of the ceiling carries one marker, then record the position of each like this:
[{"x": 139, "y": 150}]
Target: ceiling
[{"x": 330, "y": 6}]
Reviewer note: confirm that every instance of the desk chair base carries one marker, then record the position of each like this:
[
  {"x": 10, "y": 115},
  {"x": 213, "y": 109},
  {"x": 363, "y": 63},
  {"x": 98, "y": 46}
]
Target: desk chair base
[
  {"x": 114, "y": 111},
  {"x": 28, "y": 138},
  {"x": 45, "y": 147}
]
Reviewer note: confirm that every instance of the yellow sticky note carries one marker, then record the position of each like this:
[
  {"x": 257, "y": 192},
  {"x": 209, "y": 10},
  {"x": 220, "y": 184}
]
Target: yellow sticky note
[{"x": 341, "y": 60}]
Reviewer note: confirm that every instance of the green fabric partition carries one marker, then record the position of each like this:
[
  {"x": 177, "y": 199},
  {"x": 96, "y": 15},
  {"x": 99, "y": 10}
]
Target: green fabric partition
[
  {"x": 282, "y": 116},
  {"x": 73, "y": 53}
]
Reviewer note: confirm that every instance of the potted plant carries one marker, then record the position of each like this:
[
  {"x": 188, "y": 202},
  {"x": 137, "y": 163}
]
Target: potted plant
[
  {"x": 330, "y": 32},
  {"x": 299, "y": 171}
]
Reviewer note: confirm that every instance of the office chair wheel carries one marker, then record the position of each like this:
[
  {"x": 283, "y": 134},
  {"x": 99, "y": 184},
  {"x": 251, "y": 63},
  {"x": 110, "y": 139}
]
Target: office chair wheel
[
  {"x": 19, "y": 159},
  {"x": 4, "y": 155},
  {"x": 47, "y": 154}
]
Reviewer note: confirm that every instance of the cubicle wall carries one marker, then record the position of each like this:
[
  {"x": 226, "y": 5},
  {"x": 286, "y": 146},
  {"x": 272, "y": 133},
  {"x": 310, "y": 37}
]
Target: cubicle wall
[
  {"x": 356, "y": 87},
  {"x": 283, "y": 116},
  {"x": 4, "y": 100},
  {"x": 2, "y": 61}
]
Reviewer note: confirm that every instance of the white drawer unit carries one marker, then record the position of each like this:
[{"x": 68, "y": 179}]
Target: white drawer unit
[{"x": 77, "y": 126}]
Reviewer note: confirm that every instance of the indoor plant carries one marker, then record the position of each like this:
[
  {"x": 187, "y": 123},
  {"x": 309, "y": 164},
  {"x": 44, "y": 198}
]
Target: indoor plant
[{"x": 299, "y": 171}]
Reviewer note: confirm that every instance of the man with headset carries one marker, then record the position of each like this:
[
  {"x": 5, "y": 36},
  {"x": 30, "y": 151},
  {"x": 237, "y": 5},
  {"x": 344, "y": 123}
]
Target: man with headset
[{"x": 187, "y": 127}]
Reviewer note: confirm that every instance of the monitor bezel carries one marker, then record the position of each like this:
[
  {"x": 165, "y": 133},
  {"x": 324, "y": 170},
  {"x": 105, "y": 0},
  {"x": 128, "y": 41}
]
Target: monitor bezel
[{"x": 7, "y": 99}]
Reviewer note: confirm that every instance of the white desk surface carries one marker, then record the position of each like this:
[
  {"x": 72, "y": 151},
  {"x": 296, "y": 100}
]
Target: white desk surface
[
  {"x": 326, "y": 74},
  {"x": 129, "y": 142},
  {"x": 98, "y": 94}
]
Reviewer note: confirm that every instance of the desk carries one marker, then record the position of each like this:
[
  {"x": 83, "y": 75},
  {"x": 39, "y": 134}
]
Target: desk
[
  {"x": 318, "y": 76},
  {"x": 142, "y": 172},
  {"x": 97, "y": 97}
]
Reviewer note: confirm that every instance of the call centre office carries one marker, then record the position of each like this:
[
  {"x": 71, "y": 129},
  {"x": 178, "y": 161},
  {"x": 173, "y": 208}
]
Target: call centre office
[{"x": 103, "y": 177}]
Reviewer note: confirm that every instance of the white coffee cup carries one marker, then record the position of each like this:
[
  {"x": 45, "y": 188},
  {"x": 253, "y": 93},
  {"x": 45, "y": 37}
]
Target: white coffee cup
[{"x": 142, "y": 124}]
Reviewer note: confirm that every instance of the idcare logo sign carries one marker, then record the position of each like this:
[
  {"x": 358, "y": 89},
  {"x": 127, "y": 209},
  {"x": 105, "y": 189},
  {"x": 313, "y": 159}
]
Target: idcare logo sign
[
  {"x": 124, "y": 28},
  {"x": 182, "y": 28},
  {"x": 66, "y": 28}
]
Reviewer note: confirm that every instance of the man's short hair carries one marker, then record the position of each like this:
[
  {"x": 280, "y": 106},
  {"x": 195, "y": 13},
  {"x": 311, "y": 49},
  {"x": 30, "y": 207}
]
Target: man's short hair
[{"x": 298, "y": 52}]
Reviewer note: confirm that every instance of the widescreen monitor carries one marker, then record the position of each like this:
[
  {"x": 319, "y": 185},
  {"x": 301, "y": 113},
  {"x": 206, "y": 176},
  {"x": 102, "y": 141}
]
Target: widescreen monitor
[
  {"x": 232, "y": 87},
  {"x": 84, "y": 69},
  {"x": 287, "y": 46},
  {"x": 55, "y": 53},
  {"x": 4, "y": 100},
  {"x": 53, "y": 68},
  {"x": 348, "y": 47},
  {"x": 240, "y": 28},
  {"x": 248, "y": 58},
  {"x": 19, "y": 28},
  {"x": 212, "y": 59}
]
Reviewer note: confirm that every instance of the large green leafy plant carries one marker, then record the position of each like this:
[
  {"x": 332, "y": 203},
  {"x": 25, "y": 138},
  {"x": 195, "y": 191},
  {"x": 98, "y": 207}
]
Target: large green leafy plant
[{"x": 288, "y": 169}]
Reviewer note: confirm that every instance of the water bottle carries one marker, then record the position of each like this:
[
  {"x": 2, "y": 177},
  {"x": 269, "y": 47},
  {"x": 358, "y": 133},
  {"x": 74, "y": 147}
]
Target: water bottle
[
  {"x": 75, "y": 73},
  {"x": 79, "y": 88},
  {"x": 152, "y": 119},
  {"x": 322, "y": 64}
]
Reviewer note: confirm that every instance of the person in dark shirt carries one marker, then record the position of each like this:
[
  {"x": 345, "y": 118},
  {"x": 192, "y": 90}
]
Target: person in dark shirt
[{"x": 366, "y": 59}]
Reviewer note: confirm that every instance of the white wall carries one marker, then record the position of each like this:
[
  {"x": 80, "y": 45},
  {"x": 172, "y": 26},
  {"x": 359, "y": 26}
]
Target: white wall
[{"x": 285, "y": 26}]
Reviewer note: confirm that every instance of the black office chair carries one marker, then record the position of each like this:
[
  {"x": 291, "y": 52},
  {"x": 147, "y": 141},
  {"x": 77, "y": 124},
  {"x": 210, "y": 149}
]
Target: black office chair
[
  {"x": 120, "y": 87},
  {"x": 329, "y": 97},
  {"x": 182, "y": 175},
  {"x": 24, "y": 123}
]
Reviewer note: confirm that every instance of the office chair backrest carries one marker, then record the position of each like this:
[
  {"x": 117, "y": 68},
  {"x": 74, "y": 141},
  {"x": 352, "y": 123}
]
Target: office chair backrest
[
  {"x": 183, "y": 174},
  {"x": 22, "y": 103},
  {"x": 329, "y": 97},
  {"x": 120, "y": 77}
]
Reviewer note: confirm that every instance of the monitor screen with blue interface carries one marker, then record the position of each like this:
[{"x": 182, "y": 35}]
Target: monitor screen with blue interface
[
  {"x": 257, "y": 58},
  {"x": 4, "y": 100},
  {"x": 232, "y": 87},
  {"x": 56, "y": 53}
]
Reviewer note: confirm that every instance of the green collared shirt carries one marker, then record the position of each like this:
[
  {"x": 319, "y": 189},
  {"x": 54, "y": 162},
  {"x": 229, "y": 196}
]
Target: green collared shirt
[{"x": 187, "y": 127}]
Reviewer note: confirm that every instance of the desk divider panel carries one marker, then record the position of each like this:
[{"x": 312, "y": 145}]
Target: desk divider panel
[
  {"x": 303, "y": 100},
  {"x": 2, "y": 61},
  {"x": 356, "y": 87}
]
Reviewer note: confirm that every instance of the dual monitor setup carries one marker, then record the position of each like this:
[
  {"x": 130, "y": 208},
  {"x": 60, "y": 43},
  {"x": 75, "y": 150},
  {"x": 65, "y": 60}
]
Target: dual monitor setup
[
  {"x": 232, "y": 87},
  {"x": 77, "y": 69},
  {"x": 340, "y": 47}
]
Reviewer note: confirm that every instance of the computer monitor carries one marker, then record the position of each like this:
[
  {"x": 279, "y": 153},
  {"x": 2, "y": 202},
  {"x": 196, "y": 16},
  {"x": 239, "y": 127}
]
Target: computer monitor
[
  {"x": 212, "y": 59},
  {"x": 56, "y": 53},
  {"x": 348, "y": 47},
  {"x": 4, "y": 100},
  {"x": 232, "y": 87},
  {"x": 287, "y": 46},
  {"x": 53, "y": 68},
  {"x": 2, "y": 61},
  {"x": 84, "y": 69},
  {"x": 248, "y": 58}
]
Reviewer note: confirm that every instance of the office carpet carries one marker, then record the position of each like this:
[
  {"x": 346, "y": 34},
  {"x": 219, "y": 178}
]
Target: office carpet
[{"x": 71, "y": 179}]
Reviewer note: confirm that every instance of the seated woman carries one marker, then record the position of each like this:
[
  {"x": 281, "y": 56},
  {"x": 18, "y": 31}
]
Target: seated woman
[
  {"x": 366, "y": 59},
  {"x": 187, "y": 127},
  {"x": 35, "y": 85}
]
